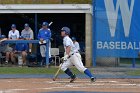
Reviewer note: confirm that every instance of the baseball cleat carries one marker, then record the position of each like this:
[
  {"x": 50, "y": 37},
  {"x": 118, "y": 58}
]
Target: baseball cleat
[
  {"x": 53, "y": 79},
  {"x": 93, "y": 79},
  {"x": 73, "y": 78}
]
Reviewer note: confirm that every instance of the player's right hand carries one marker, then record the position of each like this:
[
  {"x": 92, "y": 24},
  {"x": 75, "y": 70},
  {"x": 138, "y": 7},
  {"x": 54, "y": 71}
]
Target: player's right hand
[{"x": 41, "y": 40}]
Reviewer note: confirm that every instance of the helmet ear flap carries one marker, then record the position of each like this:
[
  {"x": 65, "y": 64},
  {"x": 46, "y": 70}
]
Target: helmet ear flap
[{"x": 68, "y": 33}]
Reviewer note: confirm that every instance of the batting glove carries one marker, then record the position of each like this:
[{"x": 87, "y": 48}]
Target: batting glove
[{"x": 65, "y": 57}]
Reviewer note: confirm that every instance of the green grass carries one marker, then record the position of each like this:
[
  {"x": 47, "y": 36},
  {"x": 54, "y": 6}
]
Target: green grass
[
  {"x": 45, "y": 1},
  {"x": 128, "y": 61},
  {"x": 134, "y": 73},
  {"x": 31, "y": 70}
]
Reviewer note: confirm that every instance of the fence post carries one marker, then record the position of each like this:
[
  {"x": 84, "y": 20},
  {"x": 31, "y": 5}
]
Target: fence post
[
  {"x": 94, "y": 35},
  {"x": 36, "y": 26},
  {"x": 47, "y": 52}
]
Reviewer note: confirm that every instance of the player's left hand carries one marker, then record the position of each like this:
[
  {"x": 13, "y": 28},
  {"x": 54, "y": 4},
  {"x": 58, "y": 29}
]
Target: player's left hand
[{"x": 65, "y": 57}]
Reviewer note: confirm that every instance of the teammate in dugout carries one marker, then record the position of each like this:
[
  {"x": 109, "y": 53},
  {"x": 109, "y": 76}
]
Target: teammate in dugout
[
  {"x": 72, "y": 57},
  {"x": 27, "y": 34},
  {"x": 20, "y": 48},
  {"x": 13, "y": 33},
  {"x": 43, "y": 35},
  {"x": 5, "y": 49}
]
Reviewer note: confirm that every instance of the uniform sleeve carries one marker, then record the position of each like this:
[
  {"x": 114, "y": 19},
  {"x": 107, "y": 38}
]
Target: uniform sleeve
[
  {"x": 31, "y": 35},
  {"x": 67, "y": 43}
]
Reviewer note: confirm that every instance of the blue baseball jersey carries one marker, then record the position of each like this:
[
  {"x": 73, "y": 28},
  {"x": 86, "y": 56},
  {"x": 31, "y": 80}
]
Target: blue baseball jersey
[
  {"x": 44, "y": 34},
  {"x": 21, "y": 47}
]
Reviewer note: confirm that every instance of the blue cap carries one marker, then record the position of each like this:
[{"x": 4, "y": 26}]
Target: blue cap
[
  {"x": 73, "y": 38},
  {"x": 45, "y": 24},
  {"x": 13, "y": 26},
  {"x": 26, "y": 25},
  {"x": 21, "y": 37},
  {"x": 66, "y": 29}
]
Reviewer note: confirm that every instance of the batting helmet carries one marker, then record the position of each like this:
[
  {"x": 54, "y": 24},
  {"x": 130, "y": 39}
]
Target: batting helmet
[{"x": 66, "y": 29}]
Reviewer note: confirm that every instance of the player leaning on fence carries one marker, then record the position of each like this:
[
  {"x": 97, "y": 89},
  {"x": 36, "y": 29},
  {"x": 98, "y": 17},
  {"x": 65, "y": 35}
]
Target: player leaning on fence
[
  {"x": 27, "y": 34},
  {"x": 13, "y": 33},
  {"x": 72, "y": 57},
  {"x": 43, "y": 35}
]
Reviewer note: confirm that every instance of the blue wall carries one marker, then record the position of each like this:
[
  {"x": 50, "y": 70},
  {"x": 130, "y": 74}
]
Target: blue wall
[{"x": 116, "y": 28}]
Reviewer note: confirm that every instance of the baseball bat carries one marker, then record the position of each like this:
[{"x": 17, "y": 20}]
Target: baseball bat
[
  {"x": 56, "y": 74},
  {"x": 50, "y": 23}
]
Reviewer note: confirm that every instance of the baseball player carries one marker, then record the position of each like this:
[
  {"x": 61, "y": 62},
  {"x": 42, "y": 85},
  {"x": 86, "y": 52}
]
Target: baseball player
[
  {"x": 28, "y": 34},
  {"x": 14, "y": 33},
  {"x": 4, "y": 48},
  {"x": 76, "y": 44},
  {"x": 72, "y": 57},
  {"x": 20, "y": 48},
  {"x": 43, "y": 35}
]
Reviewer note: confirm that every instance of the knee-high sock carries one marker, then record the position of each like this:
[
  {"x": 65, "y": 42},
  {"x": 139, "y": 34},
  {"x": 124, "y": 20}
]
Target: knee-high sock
[
  {"x": 68, "y": 72},
  {"x": 88, "y": 73}
]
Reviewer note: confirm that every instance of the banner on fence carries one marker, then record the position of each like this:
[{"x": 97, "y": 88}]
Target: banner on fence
[{"x": 117, "y": 28}]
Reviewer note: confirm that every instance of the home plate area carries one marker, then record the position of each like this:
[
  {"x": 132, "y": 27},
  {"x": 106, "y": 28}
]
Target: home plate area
[{"x": 42, "y": 85}]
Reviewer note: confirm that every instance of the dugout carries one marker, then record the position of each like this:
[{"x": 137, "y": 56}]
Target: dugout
[{"x": 77, "y": 16}]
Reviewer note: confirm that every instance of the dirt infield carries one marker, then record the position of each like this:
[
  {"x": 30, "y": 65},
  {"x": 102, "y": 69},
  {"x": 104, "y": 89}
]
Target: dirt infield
[{"x": 47, "y": 85}]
